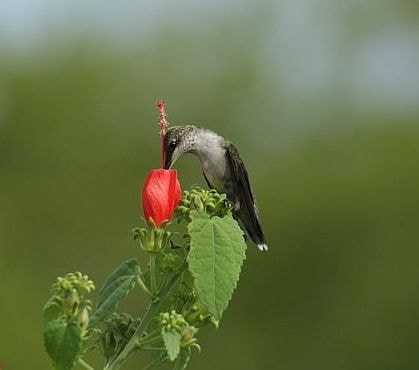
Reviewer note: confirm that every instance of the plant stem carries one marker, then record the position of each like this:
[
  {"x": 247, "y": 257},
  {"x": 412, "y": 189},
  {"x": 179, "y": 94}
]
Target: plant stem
[
  {"x": 154, "y": 363},
  {"x": 142, "y": 285},
  {"x": 153, "y": 274},
  {"x": 84, "y": 364},
  {"x": 153, "y": 349},
  {"x": 166, "y": 289},
  {"x": 177, "y": 363},
  {"x": 134, "y": 341},
  {"x": 164, "y": 280},
  {"x": 151, "y": 311},
  {"x": 151, "y": 338}
]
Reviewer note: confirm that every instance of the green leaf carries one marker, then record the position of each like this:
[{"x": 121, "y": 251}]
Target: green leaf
[
  {"x": 53, "y": 309},
  {"x": 171, "y": 341},
  {"x": 116, "y": 287},
  {"x": 215, "y": 259},
  {"x": 63, "y": 343}
]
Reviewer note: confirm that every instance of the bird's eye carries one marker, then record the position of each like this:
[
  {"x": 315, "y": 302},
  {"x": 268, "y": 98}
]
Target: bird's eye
[{"x": 172, "y": 144}]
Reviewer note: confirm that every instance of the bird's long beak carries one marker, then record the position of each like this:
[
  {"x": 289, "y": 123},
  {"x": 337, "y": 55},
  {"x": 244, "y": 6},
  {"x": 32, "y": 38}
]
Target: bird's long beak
[{"x": 167, "y": 162}]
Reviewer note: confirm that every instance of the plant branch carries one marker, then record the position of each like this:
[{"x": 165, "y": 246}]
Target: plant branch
[
  {"x": 84, "y": 364},
  {"x": 151, "y": 311},
  {"x": 142, "y": 285},
  {"x": 155, "y": 362},
  {"x": 177, "y": 364},
  {"x": 153, "y": 348},
  {"x": 151, "y": 338},
  {"x": 153, "y": 282}
]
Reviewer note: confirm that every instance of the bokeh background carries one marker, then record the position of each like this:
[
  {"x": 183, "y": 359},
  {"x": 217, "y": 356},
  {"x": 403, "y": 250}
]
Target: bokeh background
[{"x": 322, "y": 99}]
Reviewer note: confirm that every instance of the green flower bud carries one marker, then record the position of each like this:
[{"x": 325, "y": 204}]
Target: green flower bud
[
  {"x": 77, "y": 281},
  {"x": 188, "y": 334},
  {"x": 209, "y": 201},
  {"x": 83, "y": 319},
  {"x": 172, "y": 320},
  {"x": 198, "y": 315},
  {"x": 197, "y": 203},
  {"x": 71, "y": 300}
]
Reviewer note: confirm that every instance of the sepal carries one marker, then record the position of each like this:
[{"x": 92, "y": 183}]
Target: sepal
[{"x": 152, "y": 239}]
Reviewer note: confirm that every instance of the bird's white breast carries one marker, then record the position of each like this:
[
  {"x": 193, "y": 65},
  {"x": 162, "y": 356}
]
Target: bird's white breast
[{"x": 212, "y": 155}]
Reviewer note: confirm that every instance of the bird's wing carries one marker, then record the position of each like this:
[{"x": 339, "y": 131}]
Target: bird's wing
[
  {"x": 239, "y": 172},
  {"x": 247, "y": 212}
]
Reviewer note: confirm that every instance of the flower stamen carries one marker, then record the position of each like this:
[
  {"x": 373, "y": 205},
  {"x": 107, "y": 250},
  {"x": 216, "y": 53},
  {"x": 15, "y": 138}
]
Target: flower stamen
[{"x": 163, "y": 125}]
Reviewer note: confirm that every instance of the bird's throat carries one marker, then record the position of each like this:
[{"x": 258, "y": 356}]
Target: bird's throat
[{"x": 211, "y": 153}]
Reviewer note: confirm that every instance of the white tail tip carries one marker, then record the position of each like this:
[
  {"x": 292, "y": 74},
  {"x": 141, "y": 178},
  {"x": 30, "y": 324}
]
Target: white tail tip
[{"x": 263, "y": 247}]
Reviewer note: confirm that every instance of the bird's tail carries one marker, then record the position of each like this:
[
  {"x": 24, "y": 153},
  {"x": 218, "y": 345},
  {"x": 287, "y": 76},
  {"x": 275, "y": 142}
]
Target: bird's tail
[
  {"x": 263, "y": 247},
  {"x": 254, "y": 232}
]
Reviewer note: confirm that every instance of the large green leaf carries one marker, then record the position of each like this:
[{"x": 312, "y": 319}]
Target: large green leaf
[
  {"x": 116, "y": 287},
  {"x": 215, "y": 259},
  {"x": 63, "y": 343},
  {"x": 171, "y": 341}
]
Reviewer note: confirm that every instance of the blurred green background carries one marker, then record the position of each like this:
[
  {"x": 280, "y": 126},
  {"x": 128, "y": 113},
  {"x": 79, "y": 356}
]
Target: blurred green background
[{"x": 322, "y": 99}]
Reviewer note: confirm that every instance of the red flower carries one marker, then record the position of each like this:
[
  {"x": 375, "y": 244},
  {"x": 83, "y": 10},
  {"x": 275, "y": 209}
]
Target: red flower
[{"x": 161, "y": 195}]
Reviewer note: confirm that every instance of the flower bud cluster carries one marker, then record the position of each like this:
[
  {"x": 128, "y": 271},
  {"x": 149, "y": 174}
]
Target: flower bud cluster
[
  {"x": 74, "y": 281},
  {"x": 209, "y": 201},
  {"x": 172, "y": 321},
  {"x": 68, "y": 299}
]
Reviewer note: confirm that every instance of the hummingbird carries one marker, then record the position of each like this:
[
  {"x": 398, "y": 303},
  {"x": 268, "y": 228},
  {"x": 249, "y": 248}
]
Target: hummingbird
[{"x": 223, "y": 171}]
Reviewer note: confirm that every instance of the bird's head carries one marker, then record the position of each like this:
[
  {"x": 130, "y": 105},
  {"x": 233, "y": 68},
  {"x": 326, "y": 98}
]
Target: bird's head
[{"x": 178, "y": 140}]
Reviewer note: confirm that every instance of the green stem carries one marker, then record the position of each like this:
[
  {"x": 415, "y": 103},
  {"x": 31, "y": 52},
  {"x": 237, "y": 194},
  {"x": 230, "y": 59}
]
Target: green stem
[
  {"x": 153, "y": 349},
  {"x": 166, "y": 289},
  {"x": 142, "y": 285},
  {"x": 177, "y": 363},
  {"x": 151, "y": 335},
  {"x": 151, "y": 339},
  {"x": 134, "y": 342},
  {"x": 151, "y": 311},
  {"x": 153, "y": 281},
  {"x": 84, "y": 364},
  {"x": 164, "y": 280},
  {"x": 155, "y": 363}
]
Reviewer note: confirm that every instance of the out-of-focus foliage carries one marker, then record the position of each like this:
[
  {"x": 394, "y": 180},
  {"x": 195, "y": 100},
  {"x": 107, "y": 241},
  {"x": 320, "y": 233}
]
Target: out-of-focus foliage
[{"x": 337, "y": 186}]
